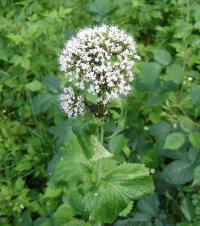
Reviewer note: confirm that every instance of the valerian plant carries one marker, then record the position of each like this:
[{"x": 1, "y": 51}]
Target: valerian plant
[{"x": 90, "y": 180}]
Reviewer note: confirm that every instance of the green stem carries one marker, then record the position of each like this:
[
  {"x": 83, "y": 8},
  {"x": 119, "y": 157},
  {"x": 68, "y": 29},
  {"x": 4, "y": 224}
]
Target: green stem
[
  {"x": 98, "y": 170},
  {"x": 101, "y": 133}
]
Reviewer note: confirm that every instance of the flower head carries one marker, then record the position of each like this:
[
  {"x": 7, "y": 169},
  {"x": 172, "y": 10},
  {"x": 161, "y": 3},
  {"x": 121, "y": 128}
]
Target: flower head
[
  {"x": 72, "y": 105},
  {"x": 100, "y": 61}
]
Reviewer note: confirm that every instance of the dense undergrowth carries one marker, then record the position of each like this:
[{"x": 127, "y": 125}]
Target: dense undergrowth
[{"x": 158, "y": 125}]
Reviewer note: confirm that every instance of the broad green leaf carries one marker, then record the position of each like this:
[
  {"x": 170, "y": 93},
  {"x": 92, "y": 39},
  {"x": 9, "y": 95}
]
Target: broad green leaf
[
  {"x": 160, "y": 131},
  {"x": 162, "y": 56},
  {"x": 52, "y": 83},
  {"x": 195, "y": 95},
  {"x": 193, "y": 155},
  {"x": 62, "y": 132},
  {"x": 99, "y": 151},
  {"x": 62, "y": 215},
  {"x": 127, "y": 210},
  {"x": 11, "y": 83},
  {"x": 117, "y": 143},
  {"x": 150, "y": 72},
  {"x": 186, "y": 124},
  {"x": 42, "y": 221},
  {"x": 91, "y": 98},
  {"x": 26, "y": 219},
  {"x": 77, "y": 222},
  {"x": 151, "y": 158},
  {"x": 25, "y": 63},
  {"x": 41, "y": 103},
  {"x": 175, "y": 73},
  {"x": 118, "y": 104},
  {"x": 100, "y": 8},
  {"x": 115, "y": 191},
  {"x": 52, "y": 192},
  {"x": 174, "y": 141},
  {"x": 195, "y": 139},
  {"x": 138, "y": 219},
  {"x": 35, "y": 85},
  {"x": 84, "y": 128},
  {"x": 196, "y": 180},
  {"x": 75, "y": 200},
  {"x": 187, "y": 209},
  {"x": 155, "y": 99},
  {"x": 154, "y": 117},
  {"x": 149, "y": 204},
  {"x": 185, "y": 224},
  {"x": 127, "y": 151},
  {"x": 178, "y": 172},
  {"x": 168, "y": 86},
  {"x": 73, "y": 164}
]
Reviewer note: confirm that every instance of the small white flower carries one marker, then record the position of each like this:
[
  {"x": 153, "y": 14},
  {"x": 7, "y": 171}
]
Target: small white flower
[
  {"x": 152, "y": 171},
  {"x": 100, "y": 61},
  {"x": 72, "y": 105},
  {"x": 190, "y": 78}
]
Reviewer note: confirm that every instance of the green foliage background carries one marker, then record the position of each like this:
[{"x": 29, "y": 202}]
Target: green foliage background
[{"x": 161, "y": 130}]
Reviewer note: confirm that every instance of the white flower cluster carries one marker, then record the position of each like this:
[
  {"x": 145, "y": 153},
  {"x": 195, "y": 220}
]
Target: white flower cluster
[
  {"x": 100, "y": 61},
  {"x": 71, "y": 104}
]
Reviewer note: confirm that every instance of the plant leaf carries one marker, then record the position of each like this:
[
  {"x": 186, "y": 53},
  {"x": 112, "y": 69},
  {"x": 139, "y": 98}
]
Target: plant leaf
[
  {"x": 175, "y": 73},
  {"x": 115, "y": 191},
  {"x": 195, "y": 139},
  {"x": 174, "y": 141},
  {"x": 187, "y": 209},
  {"x": 195, "y": 95},
  {"x": 162, "y": 56},
  {"x": 196, "y": 180},
  {"x": 186, "y": 124},
  {"x": 99, "y": 151},
  {"x": 149, "y": 204},
  {"x": 62, "y": 215},
  {"x": 178, "y": 172},
  {"x": 73, "y": 164},
  {"x": 35, "y": 85},
  {"x": 150, "y": 72}
]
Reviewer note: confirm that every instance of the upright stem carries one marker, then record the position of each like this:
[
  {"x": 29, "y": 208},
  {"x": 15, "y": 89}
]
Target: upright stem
[
  {"x": 98, "y": 170},
  {"x": 101, "y": 133}
]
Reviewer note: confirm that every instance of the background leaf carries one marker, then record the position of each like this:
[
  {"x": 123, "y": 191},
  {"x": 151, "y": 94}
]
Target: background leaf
[
  {"x": 178, "y": 172},
  {"x": 195, "y": 139},
  {"x": 162, "y": 56},
  {"x": 174, "y": 141},
  {"x": 149, "y": 73}
]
